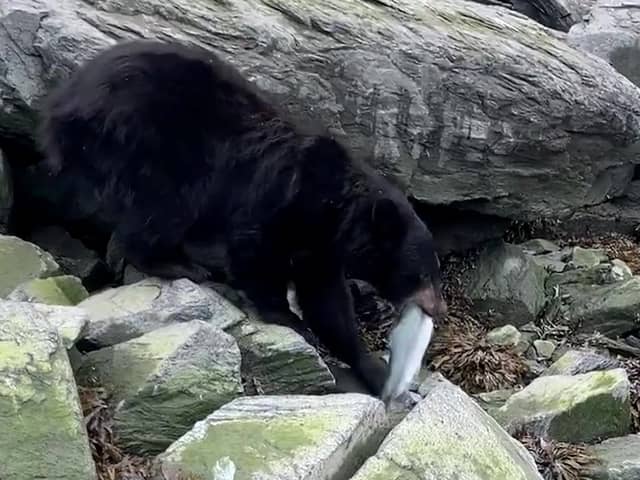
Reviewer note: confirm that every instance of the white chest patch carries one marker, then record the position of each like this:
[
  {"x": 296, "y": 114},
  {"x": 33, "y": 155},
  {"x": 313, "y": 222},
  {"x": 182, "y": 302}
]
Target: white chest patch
[{"x": 408, "y": 343}]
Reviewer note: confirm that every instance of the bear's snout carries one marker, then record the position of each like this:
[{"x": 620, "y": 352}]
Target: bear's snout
[{"x": 431, "y": 301}]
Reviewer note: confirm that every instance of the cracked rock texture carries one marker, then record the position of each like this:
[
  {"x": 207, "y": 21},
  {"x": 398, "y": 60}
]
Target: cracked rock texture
[
  {"x": 462, "y": 104},
  {"x": 42, "y": 433},
  {"x": 122, "y": 313},
  {"x": 165, "y": 381},
  {"x": 448, "y": 436},
  {"x": 285, "y": 437}
]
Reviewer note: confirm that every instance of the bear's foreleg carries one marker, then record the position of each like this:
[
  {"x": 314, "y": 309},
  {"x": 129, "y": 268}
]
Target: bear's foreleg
[{"x": 327, "y": 306}]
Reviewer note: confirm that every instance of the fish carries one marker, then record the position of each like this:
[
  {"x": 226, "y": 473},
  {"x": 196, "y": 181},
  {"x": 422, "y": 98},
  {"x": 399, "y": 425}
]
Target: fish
[{"x": 408, "y": 343}]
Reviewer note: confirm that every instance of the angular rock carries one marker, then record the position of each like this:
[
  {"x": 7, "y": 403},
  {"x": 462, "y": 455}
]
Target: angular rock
[
  {"x": 610, "y": 309},
  {"x": 616, "y": 459},
  {"x": 286, "y": 437},
  {"x": 612, "y": 32},
  {"x": 544, "y": 348},
  {"x": 43, "y": 435},
  {"x": 21, "y": 261},
  {"x": 573, "y": 409},
  {"x": 539, "y": 246},
  {"x": 575, "y": 362},
  {"x": 447, "y": 436},
  {"x": 587, "y": 257},
  {"x": 276, "y": 360},
  {"x": 165, "y": 381},
  {"x": 72, "y": 256},
  {"x": 69, "y": 322},
  {"x": 122, "y": 313},
  {"x": 507, "y": 285},
  {"x": 6, "y": 193},
  {"x": 506, "y": 335},
  {"x": 505, "y": 155},
  {"x": 61, "y": 290}
]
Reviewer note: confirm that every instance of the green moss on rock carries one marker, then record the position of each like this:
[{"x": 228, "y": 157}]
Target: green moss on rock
[
  {"x": 62, "y": 290},
  {"x": 43, "y": 435},
  {"x": 447, "y": 436},
  {"x": 21, "y": 261},
  {"x": 283, "y": 436},
  {"x": 577, "y": 408},
  {"x": 165, "y": 381}
]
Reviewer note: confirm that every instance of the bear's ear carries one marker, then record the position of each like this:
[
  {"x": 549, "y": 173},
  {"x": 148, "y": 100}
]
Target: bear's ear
[{"x": 389, "y": 226}]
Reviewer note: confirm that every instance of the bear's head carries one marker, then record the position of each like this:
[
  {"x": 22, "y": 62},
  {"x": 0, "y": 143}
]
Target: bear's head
[{"x": 400, "y": 258}]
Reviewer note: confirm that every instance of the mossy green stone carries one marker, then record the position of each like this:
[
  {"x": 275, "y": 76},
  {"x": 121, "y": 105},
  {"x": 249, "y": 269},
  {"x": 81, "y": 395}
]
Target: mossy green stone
[
  {"x": 43, "y": 435},
  {"x": 21, "y": 261},
  {"x": 283, "y": 436},
  {"x": 277, "y": 360},
  {"x": 165, "y": 381},
  {"x": 62, "y": 290},
  {"x": 578, "y": 408},
  {"x": 447, "y": 436}
]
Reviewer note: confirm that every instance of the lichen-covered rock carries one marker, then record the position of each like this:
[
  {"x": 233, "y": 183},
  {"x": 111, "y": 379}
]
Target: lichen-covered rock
[
  {"x": 119, "y": 314},
  {"x": 620, "y": 271},
  {"x": 43, "y": 435},
  {"x": 6, "y": 193},
  {"x": 60, "y": 290},
  {"x": 69, "y": 322},
  {"x": 21, "y": 261},
  {"x": 506, "y": 155},
  {"x": 165, "y": 381},
  {"x": 507, "y": 335},
  {"x": 575, "y": 362},
  {"x": 294, "y": 437},
  {"x": 507, "y": 285},
  {"x": 73, "y": 256},
  {"x": 278, "y": 360},
  {"x": 577, "y": 408},
  {"x": 616, "y": 459},
  {"x": 612, "y": 31},
  {"x": 447, "y": 436}
]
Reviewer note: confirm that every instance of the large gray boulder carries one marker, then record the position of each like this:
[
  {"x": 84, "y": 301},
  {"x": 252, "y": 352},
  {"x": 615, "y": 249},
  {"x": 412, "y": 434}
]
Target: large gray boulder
[
  {"x": 612, "y": 31},
  {"x": 544, "y": 130}
]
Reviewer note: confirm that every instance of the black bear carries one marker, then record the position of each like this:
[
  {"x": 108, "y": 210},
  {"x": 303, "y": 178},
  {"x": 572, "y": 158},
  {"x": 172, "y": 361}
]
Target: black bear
[{"x": 181, "y": 149}]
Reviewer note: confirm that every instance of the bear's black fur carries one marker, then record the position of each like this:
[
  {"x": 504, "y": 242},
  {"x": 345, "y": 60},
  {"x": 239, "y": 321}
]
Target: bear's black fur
[{"x": 181, "y": 150}]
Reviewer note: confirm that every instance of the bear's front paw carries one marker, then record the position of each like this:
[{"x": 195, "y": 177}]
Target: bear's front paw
[{"x": 373, "y": 372}]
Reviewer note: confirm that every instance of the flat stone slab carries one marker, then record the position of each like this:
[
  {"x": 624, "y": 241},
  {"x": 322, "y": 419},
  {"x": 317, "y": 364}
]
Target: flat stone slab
[
  {"x": 447, "y": 436},
  {"x": 120, "y": 314},
  {"x": 288, "y": 437},
  {"x": 42, "y": 432},
  {"x": 165, "y": 381}
]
